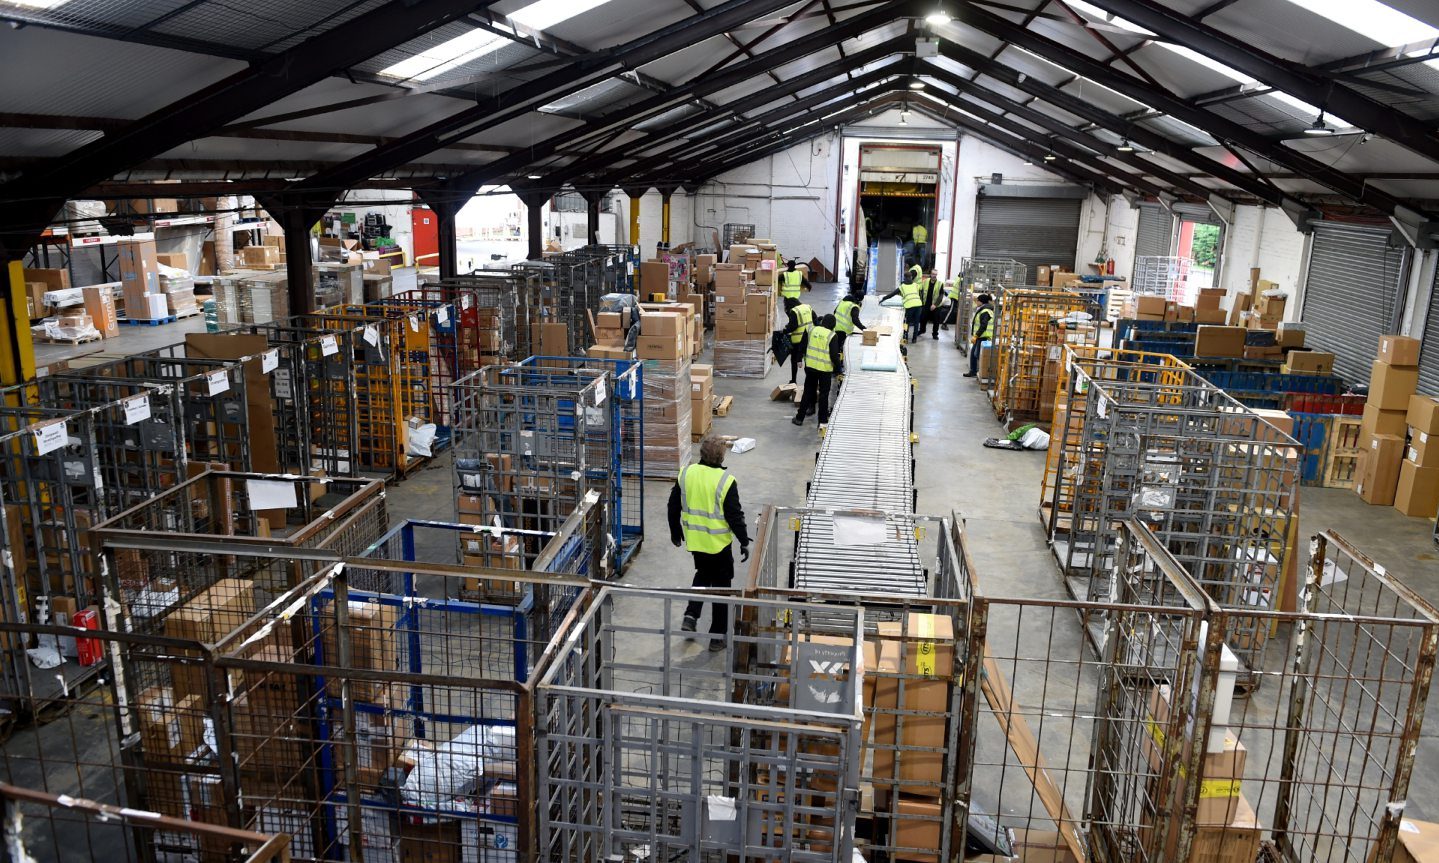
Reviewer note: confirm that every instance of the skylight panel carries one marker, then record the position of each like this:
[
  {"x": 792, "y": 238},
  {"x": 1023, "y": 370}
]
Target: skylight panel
[
  {"x": 544, "y": 14},
  {"x": 445, "y": 56},
  {"x": 1375, "y": 20}
]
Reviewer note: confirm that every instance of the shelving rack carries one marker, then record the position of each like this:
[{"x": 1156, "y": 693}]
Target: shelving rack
[
  {"x": 983, "y": 275},
  {"x": 1033, "y": 326},
  {"x": 1162, "y": 276}
]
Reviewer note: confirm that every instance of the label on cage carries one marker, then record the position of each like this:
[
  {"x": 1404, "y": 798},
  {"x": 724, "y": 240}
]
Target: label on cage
[
  {"x": 372, "y": 334},
  {"x": 217, "y": 382},
  {"x": 329, "y": 346},
  {"x": 51, "y": 437},
  {"x": 1212, "y": 788},
  {"x": 464, "y": 302},
  {"x": 629, "y": 268},
  {"x": 283, "y": 389},
  {"x": 527, "y": 442},
  {"x": 442, "y": 315},
  {"x": 269, "y": 361},
  {"x": 137, "y": 409},
  {"x": 271, "y": 494},
  {"x": 824, "y": 670},
  {"x": 924, "y": 654},
  {"x": 414, "y": 323},
  {"x": 600, "y": 392}
]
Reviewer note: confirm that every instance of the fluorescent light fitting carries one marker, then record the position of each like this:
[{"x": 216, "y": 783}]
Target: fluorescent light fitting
[
  {"x": 1029, "y": 163},
  {"x": 1125, "y": 146},
  {"x": 1318, "y": 127},
  {"x": 533, "y": 176},
  {"x": 938, "y": 18},
  {"x": 916, "y": 85},
  {"x": 36, "y": 4},
  {"x": 1050, "y": 157}
]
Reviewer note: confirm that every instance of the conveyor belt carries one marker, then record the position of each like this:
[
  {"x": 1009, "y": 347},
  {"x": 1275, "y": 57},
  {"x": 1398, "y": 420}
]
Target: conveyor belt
[{"x": 865, "y": 463}]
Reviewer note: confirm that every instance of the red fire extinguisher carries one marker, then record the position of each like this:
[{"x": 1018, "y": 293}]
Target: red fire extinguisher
[{"x": 1109, "y": 267}]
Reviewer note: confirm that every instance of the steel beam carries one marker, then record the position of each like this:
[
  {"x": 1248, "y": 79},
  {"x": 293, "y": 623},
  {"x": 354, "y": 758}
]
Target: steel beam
[
  {"x": 29, "y": 202},
  {"x": 491, "y": 111},
  {"x": 1294, "y": 79},
  {"x": 1081, "y": 64}
]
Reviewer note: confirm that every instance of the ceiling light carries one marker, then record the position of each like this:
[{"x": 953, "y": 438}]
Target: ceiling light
[
  {"x": 37, "y": 4},
  {"x": 1318, "y": 128},
  {"x": 1029, "y": 163},
  {"x": 937, "y": 18},
  {"x": 916, "y": 85},
  {"x": 533, "y": 176},
  {"x": 1050, "y": 157},
  {"x": 904, "y": 117},
  {"x": 1126, "y": 147}
]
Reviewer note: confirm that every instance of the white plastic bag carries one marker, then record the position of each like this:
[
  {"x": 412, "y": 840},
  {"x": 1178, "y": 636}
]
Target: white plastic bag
[
  {"x": 419, "y": 440},
  {"x": 1035, "y": 439}
]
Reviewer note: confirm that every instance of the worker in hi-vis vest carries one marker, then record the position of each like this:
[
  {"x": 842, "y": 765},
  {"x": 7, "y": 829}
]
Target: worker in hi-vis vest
[
  {"x": 821, "y": 358},
  {"x": 706, "y": 518},
  {"x": 981, "y": 330},
  {"x": 909, "y": 292},
  {"x": 846, "y": 321},
  {"x": 931, "y": 294},
  {"x": 791, "y": 282},
  {"x": 950, "y": 308},
  {"x": 913, "y": 272},
  {"x": 920, "y": 236},
  {"x": 800, "y": 320}
]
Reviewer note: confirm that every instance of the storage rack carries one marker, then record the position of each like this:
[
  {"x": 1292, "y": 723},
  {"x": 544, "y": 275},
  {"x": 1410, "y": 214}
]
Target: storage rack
[
  {"x": 1162, "y": 276},
  {"x": 531, "y": 441},
  {"x": 505, "y": 301},
  {"x": 983, "y": 275},
  {"x": 1212, "y": 479},
  {"x": 621, "y": 265},
  {"x": 646, "y": 746},
  {"x": 435, "y": 320},
  {"x": 1033, "y": 325}
]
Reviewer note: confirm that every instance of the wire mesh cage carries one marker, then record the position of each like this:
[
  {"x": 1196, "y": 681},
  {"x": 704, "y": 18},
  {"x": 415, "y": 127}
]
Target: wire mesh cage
[
  {"x": 1031, "y": 330},
  {"x": 620, "y": 268},
  {"x": 505, "y": 303},
  {"x": 453, "y": 318},
  {"x": 983, "y": 276},
  {"x": 1163, "y": 276},
  {"x": 532, "y": 440},
  {"x": 915, "y": 654},
  {"x": 1214, "y": 480},
  {"x": 748, "y": 752}
]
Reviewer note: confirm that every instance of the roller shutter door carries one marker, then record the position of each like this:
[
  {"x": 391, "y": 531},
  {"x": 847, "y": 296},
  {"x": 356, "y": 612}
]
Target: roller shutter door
[
  {"x": 1429, "y": 353},
  {"x": 1034, "y": 231},
  {"x": 1155, "y": 233},
  {"x": 1352, "y": 294}
]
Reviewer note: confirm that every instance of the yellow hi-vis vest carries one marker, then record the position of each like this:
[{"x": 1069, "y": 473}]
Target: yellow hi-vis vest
[
  {"x": 920, "y": 234},
  {"x": 914, "y": 273},
  {"x": 702, "y": 491},
  {"x": 909, "y": 292},
  {"x": 988, "y": 324},
  {"x": 817, "y": 355},
  {"x": 790, "y": 283},
  {"x": 953, "y": 289},
  {"x": 804, "y": 316},
  {"x": 844, "y": 316}
]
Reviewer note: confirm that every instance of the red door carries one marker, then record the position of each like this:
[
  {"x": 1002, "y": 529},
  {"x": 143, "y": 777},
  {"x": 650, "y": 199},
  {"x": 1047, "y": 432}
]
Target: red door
[{"x": 426, "y": 229}]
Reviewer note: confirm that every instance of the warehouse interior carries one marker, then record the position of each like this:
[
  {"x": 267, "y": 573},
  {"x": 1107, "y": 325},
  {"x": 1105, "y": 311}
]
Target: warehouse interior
[{"x": 440, "y": 431}]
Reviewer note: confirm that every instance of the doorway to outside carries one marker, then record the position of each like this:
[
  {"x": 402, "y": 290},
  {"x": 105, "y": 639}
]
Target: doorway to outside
[{"x": 1201, "y": 241}]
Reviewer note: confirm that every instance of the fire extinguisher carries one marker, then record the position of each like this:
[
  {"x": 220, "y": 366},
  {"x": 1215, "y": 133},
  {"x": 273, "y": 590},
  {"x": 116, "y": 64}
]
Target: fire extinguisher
[{"x": 1109, "y": 267}]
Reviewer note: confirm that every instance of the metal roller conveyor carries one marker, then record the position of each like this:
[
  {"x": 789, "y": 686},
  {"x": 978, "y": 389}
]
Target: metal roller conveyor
[{"x": 865, "y": 463}]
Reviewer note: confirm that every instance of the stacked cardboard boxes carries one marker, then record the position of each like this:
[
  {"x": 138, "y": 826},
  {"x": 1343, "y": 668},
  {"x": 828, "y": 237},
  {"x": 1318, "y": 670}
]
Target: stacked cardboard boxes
[
  {"x": 662, "y": 347},
  {"x": 1306, "y": 362},
  {"x": 1417, "y": 493},
  {"x": 140, "y": 281},
  {"x": 1209, "y": 306},
  {"x": 701, "y": 400},
  {"x": 264, "y": 257},
  {"x": 610, "y": 331},
  {"x": 1393, "y": 379},
  {"x": 179, "y": 294},
  {"x": 744, "y": 318}
]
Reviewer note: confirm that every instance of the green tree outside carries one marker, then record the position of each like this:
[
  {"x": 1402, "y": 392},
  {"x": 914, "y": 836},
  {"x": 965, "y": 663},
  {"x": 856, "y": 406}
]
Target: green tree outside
[{"x": 1205, "y": 250}]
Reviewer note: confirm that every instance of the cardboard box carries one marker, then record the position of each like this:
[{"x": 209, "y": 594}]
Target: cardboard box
[
  {"x": 1417, "y": 493},
  {"x": 731, "y": 331},
  {"x": 928, "y": 643},
  {"x": 759, "y": 316},
  {"x": 654, "y": 278},
  {"x": 100, "y": 306},
  {"x": 1399, "y": 350},
  {"x": 1391, "y": 387},
  {"x": 1289, "y": 335},
  {"x": 604, "y": 352},
  {"x": 911, "y": 832},
  {"x": 1270, "y": 306},
  {"x": 663, "y": 324},
  {"x": 728, "y": 278},
  {"x": 1418, "y": 842},
  {"x": 660, "y": 347},
  {"x": 1146, "y": 305},
  {"x": 261, "y": 257},
  {"x": 1378, "y": 421},
  {"x": 1210, "y": 316},
  {"x": 1236, "y": 841},
  {"x": 206, "y": 618},
  {"x": 1309, "y": 363},
  {"x": 1423, "y": 413},
  {"x": 1378, "y": 470},
  {"x": 373, "y": 644},
  {"x": 1219, "y": 342},
  {"x": 177, "y": 260}
]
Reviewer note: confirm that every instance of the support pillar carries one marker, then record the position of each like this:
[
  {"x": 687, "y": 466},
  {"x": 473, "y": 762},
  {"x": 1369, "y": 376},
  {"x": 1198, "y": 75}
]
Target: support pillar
[
  {"x": 17, "y": 350},
  {"x": 592, "y": 216},
  {"x": 297, "y": 215},
  {"x": 534, "y": 204},
  {"x": 635, "y": 195},
  {"x": 665, "y": 195},
  {"x": 445, "y": 202}
]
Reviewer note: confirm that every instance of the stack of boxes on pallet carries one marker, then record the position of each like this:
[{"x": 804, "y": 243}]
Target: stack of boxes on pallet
[
  {"x": 1226, "y": 827},
  {"x": 664, "y": 349},
  {"x": 701, "y": 400},
  {"x": 140, "y": 281},
  {"x": 610, "y": 331},
  {"x": 479, "y": 339},
  {"x": 744, "y": 315},
  {"x": 1207, "y": 308},
  {"x": 1393, "y": 379}
]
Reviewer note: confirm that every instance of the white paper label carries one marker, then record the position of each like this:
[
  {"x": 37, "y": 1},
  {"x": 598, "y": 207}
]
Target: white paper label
[
  {"x": 271, "y": 494},
  {"x": 218, "y": 382},
  {"x": 137, "y": 409},
  {"x": 51, "y": 437},
  {"x": 464, "y": 302},
  {"x": 282, "y": 384},
  {"x": 269, "y": 361},
  {"x": 372, "y": 334},
  {"x": 442, "y": 315},
  {"x": 600, "y": 392},
  {"x": 629, "y": 268},
  {"x": 414, "y": 323},
  {"x": 329, "y": 346}
]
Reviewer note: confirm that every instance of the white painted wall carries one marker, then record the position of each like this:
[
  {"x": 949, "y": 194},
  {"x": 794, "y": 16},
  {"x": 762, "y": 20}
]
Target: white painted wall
[
  {"x": 396, "y": 210},
  {"x": 789, "y": 197},
  {"x": 1107, "y": 226},
  {"x": 977, "y": 161},
  {"x": 1264, "y": 237}
]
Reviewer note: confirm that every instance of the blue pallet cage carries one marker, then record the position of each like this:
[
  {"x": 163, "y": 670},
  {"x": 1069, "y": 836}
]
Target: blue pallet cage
[
  {"x": 626, "y": 453},
  {"x": 431, "y": 629}
]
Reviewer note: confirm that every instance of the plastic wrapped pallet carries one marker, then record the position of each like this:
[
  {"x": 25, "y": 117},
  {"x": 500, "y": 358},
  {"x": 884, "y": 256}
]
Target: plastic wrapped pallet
[
  {"x": 264, "y": 298},
  {"x": 742, "y": 359},
  {"x": 667, "y": 417},
  {"x": 226, "y": 292},
  {"x": 179, "y": 294}
]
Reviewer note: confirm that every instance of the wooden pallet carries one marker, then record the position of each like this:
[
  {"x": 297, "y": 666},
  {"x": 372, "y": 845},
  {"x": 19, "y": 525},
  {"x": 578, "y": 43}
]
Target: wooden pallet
[
  {"x": 82, "y": 340},
  {"x": 1341, "y": 462},
  {"x": 722, "y": 406},
  {"x": 147, "y": 322}
]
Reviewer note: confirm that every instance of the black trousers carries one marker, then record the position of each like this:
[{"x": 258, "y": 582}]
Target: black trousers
[
  {"x": 840, "y": 337},
  {"x": 943, "y": 316},
  {"x": 795, "y": 355},
  {"x": 974, "y": 350},
  {"x": 816, "y": 388},
  {"x": 913, "y": 323},
  {"x": 713, "y": 570}
]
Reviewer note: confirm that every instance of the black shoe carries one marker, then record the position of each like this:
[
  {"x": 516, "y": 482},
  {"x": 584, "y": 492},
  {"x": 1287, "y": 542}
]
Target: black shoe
[
  {"x": 799, "y": 420},
  {"x": 717, "y": 644},
  {"x": 688, "y": 625},
  {"x": 970, "y": 374},
  {"x": 934, "y": 336}
]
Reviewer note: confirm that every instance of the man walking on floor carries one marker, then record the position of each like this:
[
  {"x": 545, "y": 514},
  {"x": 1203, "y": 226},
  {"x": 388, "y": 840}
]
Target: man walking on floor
[
  {"x": 930, "y": 295},
  {"x": 821, "y": 358},
  {"x": 981, "y": 329},
  {"x": 791, "y": 282},
  {"x": 706, "y": 517},
  {"x": 800, "y": 320},
  {"x": 913, "y": 304}
]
